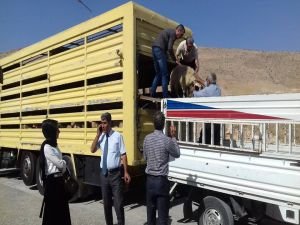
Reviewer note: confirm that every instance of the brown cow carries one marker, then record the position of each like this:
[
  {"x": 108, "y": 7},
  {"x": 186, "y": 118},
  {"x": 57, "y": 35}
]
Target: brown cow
[{"x": 182, "y": 81}]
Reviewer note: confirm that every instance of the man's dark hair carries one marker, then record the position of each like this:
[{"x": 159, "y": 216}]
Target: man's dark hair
[
  {"x": 180, "y": 27},
  {"x": 106, "y": 116},
  {"x": 212, "y": 78},
  {"x": 189, "y": 41},
  {"x": 159, "y": 120},
  {"x": 49, "y": 129}
]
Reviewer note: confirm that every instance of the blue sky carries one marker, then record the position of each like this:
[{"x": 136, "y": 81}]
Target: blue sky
[{"x": 267, "y": 25}]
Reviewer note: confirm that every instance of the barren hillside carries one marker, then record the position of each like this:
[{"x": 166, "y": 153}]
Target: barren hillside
[{"x": 251, "y": 72}]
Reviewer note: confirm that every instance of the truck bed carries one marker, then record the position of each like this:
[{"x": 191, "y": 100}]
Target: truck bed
[{"x": 249, "y": 175}]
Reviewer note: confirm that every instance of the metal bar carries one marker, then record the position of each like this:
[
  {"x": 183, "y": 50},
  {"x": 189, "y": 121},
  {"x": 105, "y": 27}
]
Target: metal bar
[
  {"x": 264, "y": 137},
  {"x": 203, "y": 133},
  {"x": 231, "y": 135},
  {"x": 187, "y": 131},
  {"x": 277, "y": 137},
  {"x": 294, "y": 134},
  {"x": 212, "y": 134},
  {"x": 173, "y": 188},
  {"x": 290, "y": 138},
  {"x": 285, "y": 135},
  {"x": 242, "y": 136},
  {"x": 221, "y": 134},
  {"x": 179, "y": 130},
  {"x": 252, "y": 136},
  {"x": 194, "y": 131}
]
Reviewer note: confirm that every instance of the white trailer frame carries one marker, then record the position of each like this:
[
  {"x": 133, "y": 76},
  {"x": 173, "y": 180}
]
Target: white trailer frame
[{"x": 259, "y": 153}]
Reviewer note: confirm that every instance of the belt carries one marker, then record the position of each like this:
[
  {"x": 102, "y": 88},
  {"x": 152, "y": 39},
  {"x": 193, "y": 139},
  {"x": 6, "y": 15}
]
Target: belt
[{"x": 114, "y": 170}]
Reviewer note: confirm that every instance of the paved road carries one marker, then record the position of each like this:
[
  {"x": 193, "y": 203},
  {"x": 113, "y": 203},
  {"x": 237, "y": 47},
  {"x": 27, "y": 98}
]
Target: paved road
[{"x": 20, "y": 204}]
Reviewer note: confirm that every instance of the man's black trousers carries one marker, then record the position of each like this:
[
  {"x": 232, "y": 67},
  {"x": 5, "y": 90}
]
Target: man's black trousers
[{"x": 157, "y": 191}]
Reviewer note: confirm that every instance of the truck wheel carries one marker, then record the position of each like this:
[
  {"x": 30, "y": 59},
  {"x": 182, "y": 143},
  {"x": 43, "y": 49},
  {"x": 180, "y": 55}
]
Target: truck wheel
[
  {"x": 38, "y": 177},
  {"x": 214, "y": 211},
  {"x": 28, "y": 162}
]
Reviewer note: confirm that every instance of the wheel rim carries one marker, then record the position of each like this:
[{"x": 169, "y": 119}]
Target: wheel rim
[
  {"x": 212, "y": 217},
  {"x": 27, "y": 166}
]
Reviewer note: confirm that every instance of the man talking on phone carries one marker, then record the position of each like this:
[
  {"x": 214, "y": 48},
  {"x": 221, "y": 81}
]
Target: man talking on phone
[{"x": 113, "y": 153}]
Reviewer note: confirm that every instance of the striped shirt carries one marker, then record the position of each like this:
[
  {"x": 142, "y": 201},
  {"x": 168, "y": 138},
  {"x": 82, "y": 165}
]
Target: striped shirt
[{"x": 157, "y": 149}]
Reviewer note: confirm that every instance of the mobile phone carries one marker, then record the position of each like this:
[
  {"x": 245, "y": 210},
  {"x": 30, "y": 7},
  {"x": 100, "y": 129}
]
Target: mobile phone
[{"x": 100, "y": 128}]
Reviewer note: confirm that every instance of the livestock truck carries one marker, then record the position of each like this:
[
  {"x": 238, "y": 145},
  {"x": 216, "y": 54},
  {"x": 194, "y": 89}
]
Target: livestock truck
[{"x": 101, "y": 65}]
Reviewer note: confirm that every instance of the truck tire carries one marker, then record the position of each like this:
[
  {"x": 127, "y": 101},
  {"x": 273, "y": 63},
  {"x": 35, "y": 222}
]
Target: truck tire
[
  {"x": 28, "y": 162},
  {"x": 214, "y": 211},
  {"x": 38, "y": 177}
]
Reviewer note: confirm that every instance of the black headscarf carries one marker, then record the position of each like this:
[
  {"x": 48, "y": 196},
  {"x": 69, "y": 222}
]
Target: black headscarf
[{"x": 49, "y": 128}]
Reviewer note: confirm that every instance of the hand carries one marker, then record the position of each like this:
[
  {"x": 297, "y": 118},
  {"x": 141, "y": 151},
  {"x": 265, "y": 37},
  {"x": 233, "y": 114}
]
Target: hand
[
  {"x": 127, "y": 178},
  {"x": 99, "y": 130},
  {"x": 178, "y": 62},
  {"x": 173, "y": 131}
]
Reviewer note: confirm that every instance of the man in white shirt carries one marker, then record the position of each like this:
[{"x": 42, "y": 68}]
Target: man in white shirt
[
  {"x": 187, "y": 54},
  {"x": 113, "y": 152}
]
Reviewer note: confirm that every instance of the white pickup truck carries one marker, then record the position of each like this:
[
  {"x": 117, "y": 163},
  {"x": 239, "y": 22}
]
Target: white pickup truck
[{"x": 246, "y": 160}]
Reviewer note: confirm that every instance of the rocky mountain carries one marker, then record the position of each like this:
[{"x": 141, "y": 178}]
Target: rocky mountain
[{"x": 241, "y": 72}]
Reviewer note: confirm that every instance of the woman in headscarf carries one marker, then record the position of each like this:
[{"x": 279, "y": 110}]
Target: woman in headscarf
[{"x": 56, "y": 210}]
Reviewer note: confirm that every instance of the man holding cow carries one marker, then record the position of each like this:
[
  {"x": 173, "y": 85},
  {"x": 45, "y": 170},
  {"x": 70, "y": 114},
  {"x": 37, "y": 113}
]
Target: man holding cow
[{"x": 187, "y": 54}]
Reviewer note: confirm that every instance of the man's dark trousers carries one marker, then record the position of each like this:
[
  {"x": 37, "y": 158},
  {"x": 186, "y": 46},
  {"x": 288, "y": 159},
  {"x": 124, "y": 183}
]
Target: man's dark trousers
[
  {"x": 157, "y": 191},
  {"x": 112, "y": 186}
]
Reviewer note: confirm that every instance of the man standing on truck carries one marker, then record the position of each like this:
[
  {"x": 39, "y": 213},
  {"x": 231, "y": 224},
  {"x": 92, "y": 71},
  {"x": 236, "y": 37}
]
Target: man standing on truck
[
  {"x": 187, "y": 54},
  {"x": 163, "y": 45},
  {"x": 157, "y": 149},
  {"x": 113, "y": 152}
]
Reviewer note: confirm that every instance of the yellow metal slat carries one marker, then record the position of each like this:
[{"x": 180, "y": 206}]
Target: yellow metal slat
[
  {"x": 10, "y": 121},
  {"x": 10, "y": 91},
  {"x": 103, "y": 72},
  {"x": 117, "y": 114},
  {"x": 66, "y": 98},
  {"x": 12, "y": 76},
  {"x": 101, "y": 66},
  {"x": 9, "y": 103},
  {"x": 35, "y": 86},
  {"x": 36, "y": 102},
  {"x": 68, "y": 117},
  {"x": 31, "y": 133},
  {"x": 67, "y": 57},
  {"x": 35, "y": 69},
  {"x": 32, "y": 119},
  {"x": 107, "y": 44}
]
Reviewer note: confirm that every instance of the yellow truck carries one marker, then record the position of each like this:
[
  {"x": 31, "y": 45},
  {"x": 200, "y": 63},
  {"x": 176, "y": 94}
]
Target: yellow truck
[{"x": 103, "y": 64}]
